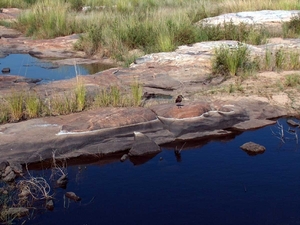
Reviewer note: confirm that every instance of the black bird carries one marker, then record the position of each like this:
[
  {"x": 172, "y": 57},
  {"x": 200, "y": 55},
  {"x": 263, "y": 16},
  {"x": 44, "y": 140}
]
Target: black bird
[{"x": 179, "y": 100}]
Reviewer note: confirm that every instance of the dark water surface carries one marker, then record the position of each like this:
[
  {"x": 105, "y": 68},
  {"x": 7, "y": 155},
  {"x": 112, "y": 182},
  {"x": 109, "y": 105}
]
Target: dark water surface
[
  {"x": 216, "y": 184},
  {"x": 30, "y": 67}
]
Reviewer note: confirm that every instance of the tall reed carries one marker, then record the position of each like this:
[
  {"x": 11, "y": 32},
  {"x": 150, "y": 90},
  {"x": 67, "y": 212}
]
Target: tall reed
[{"x": 15, "y": 102}]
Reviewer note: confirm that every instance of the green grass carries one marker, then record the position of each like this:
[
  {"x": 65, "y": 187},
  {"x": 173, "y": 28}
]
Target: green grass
[
  {"x": 16, "y": 3},
  {"x": 114, "y": 28},
  {"x": 15, "y": 102},
  {"x": 33, "y": 105},
  {"x": 80, "y": 94},
  {"x": 232, "y": 61},
  {"x": 280, "y": 59},
  {"x": 62, "y": 104},
  {"x": 47, "y": 19},
  {"x": 137, "y": 92},
  {"x": 109, "y": 97},
  {"x": 292, "y": 80},
  {"x": 291, "y": 29},
  {"x": 4, "y": 112}
]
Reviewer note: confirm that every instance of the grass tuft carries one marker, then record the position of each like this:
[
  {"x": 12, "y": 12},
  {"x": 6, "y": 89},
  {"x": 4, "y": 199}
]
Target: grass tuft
[
  {"x": 15, "y": 103},
  {"x": 232, "y": 61},
  {"x": 292, "y": 80}
]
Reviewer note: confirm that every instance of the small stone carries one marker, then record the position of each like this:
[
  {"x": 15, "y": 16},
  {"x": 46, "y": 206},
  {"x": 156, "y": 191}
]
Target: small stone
[
  {"x": 73, "y": 196},
  {"x": 124, "y": 157},
  {"x": 3, "y": 165},
  {"x": 50, "y": 204},
  {"x": 6, "y": 70},
  {"x": 253, "y": 148},
  {"x": 10, "y": 177},
  {"x": 7, "y": 171},
  {"x": 62, "y": 181},
  {"x": 16, "y": 167}
]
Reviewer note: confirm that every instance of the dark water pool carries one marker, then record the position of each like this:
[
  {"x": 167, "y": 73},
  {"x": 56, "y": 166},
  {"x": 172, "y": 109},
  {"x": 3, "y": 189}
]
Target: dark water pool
[
  {"x": 216, "y": 184},
  {"x": 30, "y": 67}
]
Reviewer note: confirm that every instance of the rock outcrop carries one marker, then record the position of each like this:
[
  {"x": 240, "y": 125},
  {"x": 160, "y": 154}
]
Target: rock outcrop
[
  {"x": 143, "y": 145},
  {"x": 111, "y": 130},
  {"x": 269, "y": 19},
  {"x": 164, "y": 75}
]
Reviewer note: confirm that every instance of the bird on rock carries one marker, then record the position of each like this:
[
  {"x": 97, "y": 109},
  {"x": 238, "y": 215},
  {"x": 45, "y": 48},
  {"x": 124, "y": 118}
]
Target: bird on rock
[{"x": 179, "y": 100}]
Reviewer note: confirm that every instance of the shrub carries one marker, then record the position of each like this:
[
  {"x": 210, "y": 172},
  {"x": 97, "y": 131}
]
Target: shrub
[{"x": 231, "y": 61}]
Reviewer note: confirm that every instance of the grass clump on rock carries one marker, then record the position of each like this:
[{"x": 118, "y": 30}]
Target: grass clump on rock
[
  {"x": 292, "y": 80},
  {"x": 232, "y": 61}
]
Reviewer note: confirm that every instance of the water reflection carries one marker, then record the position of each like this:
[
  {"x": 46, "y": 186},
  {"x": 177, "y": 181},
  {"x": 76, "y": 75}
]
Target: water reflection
[
  {"x": 216, "y": 183},
  {"x": 30, "y": 67}
]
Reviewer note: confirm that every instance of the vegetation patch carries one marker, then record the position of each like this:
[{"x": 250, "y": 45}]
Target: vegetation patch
[{"x": 232, "y": 61}]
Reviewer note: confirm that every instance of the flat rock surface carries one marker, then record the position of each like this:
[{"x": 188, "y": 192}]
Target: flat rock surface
[{"x": 253, "y": 17}]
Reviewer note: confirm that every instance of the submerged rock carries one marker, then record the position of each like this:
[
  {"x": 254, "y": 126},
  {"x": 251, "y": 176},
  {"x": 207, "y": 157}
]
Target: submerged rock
[
  {"x": 3, "y": 166},
  {"x": 293, "y": 123},
  {"x": 73, "y": 196},
  {"x": 50, "y": 205},
  {"x": 124, "y": 157},
  {"x": 252, "y": 148}
]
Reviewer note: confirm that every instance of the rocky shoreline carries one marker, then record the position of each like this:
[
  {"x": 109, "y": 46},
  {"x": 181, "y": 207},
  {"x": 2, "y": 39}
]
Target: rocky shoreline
[{"x": 106, "y": 131}]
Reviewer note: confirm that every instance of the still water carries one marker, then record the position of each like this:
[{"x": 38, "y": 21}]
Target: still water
[
  {"x": 217, "y": 183},
  {"x": 30, "y": 67}
]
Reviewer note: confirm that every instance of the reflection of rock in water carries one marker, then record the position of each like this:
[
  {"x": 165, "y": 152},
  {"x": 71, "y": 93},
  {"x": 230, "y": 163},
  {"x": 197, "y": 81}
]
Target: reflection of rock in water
[
  {"x": 177, "y": 155},
  {"x": 252, "y": 148},
  {"x": 139, "y": 160}
]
